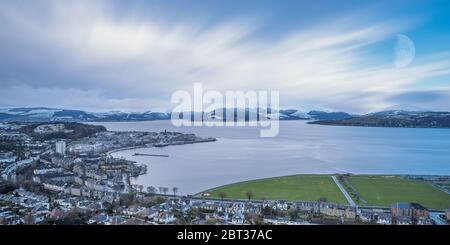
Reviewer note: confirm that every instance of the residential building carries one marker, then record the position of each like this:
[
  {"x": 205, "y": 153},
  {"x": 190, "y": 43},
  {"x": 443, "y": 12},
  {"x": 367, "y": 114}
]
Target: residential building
[
  {"x": 61, "y": 147},
  {"x": 406, "y": 211}
]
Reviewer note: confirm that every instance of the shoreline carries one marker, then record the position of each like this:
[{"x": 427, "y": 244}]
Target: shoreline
[
  {"x": 210, "y": 139},
  {"x": 304, "y": 167}
]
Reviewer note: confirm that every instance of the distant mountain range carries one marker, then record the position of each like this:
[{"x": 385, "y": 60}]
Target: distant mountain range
[
  {"x": 39, "y": 114},
  {"x": 387, "y": 118},
  {"x": 394, "y": 118}
]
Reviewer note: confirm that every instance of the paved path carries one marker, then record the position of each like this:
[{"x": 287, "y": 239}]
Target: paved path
[{"x": 347, "y": 196}]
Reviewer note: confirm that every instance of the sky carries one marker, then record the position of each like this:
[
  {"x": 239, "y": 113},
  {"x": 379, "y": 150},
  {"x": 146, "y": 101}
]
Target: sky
[{"x": 133, "y": 55}]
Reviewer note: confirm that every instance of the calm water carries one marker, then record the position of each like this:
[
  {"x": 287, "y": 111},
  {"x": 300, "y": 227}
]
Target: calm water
[{"x": 239, "y": 154}]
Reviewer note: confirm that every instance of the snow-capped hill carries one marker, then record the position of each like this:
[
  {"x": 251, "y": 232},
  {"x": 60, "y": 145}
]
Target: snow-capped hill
[
  {"x": 301, "y": 114},
  {"x": 254, "y": 113},
  {"x": 395, "y": 118},
  {"x": 322, "y": 115},
  {"x": 293, "y": 114},
  {"x": 50, "y": 114},
  {"x": 399, "y": 110},
  {"x": 404, "y": 108},
  {"x": 396, "y": 113},
  {"x": 33, "y": 112},
  {"x": 389, "y": 117}
]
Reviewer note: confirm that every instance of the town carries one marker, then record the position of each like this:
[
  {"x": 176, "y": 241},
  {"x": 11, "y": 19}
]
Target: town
[{"x": 64, "y": 173}]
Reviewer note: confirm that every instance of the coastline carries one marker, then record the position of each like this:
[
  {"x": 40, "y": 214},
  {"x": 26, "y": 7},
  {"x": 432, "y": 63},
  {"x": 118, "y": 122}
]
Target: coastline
[
  {"x": 209, "y": 167},
  {"x": 209, "y": 139}
]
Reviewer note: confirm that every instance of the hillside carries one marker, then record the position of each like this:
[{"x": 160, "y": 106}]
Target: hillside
[
  {"x": 402, "y": 119},
  {"x": 61, "y": 130}
]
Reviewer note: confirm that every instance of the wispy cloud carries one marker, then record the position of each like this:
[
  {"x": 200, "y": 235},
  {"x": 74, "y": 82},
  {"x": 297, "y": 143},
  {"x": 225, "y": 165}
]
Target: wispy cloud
[{"x": 86, "y": 52}]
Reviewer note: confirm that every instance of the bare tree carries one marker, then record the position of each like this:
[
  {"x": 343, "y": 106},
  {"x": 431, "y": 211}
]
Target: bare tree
[
  {"x": 160, "y": 189},
  {"x": 165, "y": 190},
  {"x": 140, "y": 187},
  {"x": 323, "y": 199},
  {"x": 222, "y": 195},
  {"x": 151, "y": 190},
  {"x": 175, "y": 190},
  {"x": 249, "y": 195}
]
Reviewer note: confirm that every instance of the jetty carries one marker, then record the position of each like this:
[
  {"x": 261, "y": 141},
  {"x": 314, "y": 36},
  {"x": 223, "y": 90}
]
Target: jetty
[{"x": 150, "y": 155}]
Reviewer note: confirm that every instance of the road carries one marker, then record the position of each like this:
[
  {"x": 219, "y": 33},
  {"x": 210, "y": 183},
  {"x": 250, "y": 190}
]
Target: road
[
  {"x": 12, "y": 167},
  {"x": 347, "y": 196}
]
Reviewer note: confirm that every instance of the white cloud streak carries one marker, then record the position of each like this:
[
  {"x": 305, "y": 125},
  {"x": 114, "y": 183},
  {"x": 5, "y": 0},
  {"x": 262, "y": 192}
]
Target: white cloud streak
[{"x": 135, "y": 63}]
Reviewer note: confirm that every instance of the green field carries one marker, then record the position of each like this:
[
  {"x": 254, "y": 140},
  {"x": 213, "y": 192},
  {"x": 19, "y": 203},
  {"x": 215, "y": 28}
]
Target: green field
[
  {"x": 386, "y": 190},
  {"x": 296, "y": 187}
]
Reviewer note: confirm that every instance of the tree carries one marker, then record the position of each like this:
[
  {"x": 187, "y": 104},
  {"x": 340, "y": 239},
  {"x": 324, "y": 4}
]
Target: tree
[
  {"x": 6, "y": 186},
  {"x": 254, "y": 219},
  {"x": 76, "y": 216},
  {"x": 222, "y": 195},
  {"x": 141, "y": 187},
  {"x": 165, "y": 190},
  {"x": 109, "y": 208},
  {"x": 292, "y": 212},
  {"x": 54, "y": 205},
  {"x": 151, "y": 190},
  {"x": 127, "y": 199},
  {"x": 160, "y": 189},
  {"x": 175, "y": 190},
  {"x": 249, "y": 195},
  {"x": 267, "y": 211},
  {"x": 323, "y": 199}
]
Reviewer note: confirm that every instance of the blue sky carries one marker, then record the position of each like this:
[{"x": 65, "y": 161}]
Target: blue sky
[{"x": 132, "y": 55}]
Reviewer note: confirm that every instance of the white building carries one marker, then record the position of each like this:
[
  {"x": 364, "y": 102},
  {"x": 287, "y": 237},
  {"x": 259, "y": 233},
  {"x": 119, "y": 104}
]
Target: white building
[
  {"x": 7, "y": 157},
  {"x": 61, "y": 147}
]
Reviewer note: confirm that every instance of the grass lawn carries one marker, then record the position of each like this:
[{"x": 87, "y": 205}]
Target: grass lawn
[
  {"x": 386, "y": 190},
  {"x": 296, "y": 187}
]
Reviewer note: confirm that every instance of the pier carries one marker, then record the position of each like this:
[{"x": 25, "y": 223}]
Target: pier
[{"x": 150, "y": 155}]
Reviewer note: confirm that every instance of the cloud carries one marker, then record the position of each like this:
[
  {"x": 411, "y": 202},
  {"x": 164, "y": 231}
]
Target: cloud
[
  {"x": 89, "y": 100},
  {"x": 426, "y": 99},
  {"x": 89, "y": 53},
  {"x": 419, "y": 96}
]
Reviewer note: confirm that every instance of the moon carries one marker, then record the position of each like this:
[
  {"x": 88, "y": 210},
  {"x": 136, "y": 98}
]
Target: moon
[{"x": 404, "y": 51}]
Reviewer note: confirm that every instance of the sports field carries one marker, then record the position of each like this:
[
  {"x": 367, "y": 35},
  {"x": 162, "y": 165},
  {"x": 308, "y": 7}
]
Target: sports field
[
  {"x": 296, "y": 187},
  {"x": 385, "y": 190}
]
